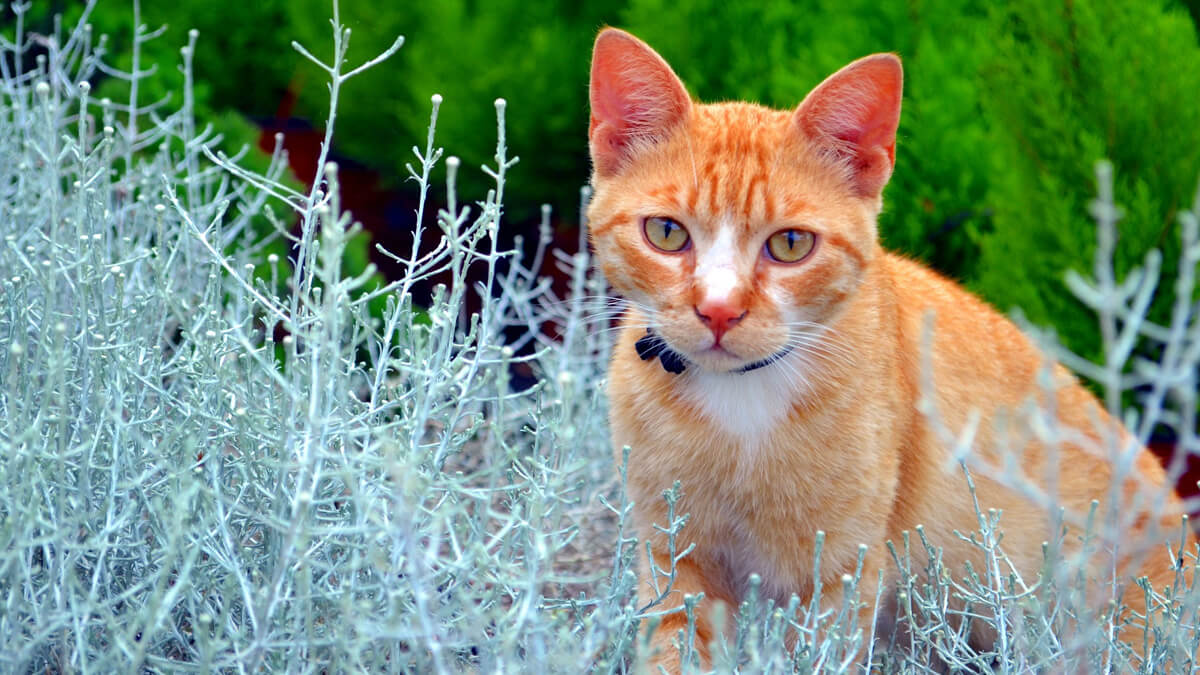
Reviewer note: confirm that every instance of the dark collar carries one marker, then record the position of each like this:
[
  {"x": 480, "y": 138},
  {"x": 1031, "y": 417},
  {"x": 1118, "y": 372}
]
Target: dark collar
[{"x": 651, "y": 345}]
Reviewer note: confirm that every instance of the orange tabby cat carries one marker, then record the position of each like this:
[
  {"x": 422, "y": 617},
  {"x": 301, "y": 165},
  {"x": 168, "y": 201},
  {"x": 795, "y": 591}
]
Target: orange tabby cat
[{"x": 771, "y": 356}]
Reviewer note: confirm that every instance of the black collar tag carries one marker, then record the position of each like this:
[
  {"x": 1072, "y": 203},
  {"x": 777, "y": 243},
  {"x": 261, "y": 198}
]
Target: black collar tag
[{"x": 651, "y": 346}]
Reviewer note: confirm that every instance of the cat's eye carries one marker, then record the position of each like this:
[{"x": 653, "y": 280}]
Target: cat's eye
[
  {"x": 789, "y": 246},
  {"x": 665, "y": 234}
]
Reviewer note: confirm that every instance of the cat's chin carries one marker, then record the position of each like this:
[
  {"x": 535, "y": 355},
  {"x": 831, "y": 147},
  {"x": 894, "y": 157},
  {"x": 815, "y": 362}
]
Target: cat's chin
[{"x": 721, "y": 360}]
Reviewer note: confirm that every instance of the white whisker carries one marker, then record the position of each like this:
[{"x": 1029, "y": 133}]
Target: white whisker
[{"x": 822, "y": 347}]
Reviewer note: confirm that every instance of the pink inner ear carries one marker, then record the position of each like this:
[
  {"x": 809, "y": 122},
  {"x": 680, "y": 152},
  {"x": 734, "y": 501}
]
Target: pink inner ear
[
  {"x": 636, "y": 99},
  {"x": 853, "y": 115}
]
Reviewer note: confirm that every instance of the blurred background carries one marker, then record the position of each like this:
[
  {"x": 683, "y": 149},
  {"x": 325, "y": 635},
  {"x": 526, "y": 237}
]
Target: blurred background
[{"x": 1007, "y": 107}]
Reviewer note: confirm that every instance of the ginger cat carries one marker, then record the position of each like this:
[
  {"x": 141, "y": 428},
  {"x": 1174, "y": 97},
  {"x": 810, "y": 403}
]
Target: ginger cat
[{"x": 770, "y": 358}]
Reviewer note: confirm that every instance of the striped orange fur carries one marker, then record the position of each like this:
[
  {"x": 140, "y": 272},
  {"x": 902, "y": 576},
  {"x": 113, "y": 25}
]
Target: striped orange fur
[{"x": 829, "y": 437}]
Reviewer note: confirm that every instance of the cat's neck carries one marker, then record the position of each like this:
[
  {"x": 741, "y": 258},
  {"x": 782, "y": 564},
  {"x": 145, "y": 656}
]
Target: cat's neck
[{"x": 821, "y": 373}]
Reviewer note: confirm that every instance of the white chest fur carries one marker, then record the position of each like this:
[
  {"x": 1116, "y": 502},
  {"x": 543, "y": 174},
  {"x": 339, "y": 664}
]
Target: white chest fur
[{"x": 747, "y": 405}]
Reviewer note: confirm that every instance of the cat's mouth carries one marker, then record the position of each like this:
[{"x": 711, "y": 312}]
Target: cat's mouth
[
  {"x": 721, "y": 359},
  {"x": 719, "y": 351},
  {"x": 715, "y": 358}
]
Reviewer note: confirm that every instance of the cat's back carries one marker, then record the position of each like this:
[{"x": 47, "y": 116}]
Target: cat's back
[{"x": 978, "y": 362}]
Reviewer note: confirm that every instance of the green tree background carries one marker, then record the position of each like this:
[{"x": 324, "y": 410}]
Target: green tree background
[{"x": 1007, "y": 106}]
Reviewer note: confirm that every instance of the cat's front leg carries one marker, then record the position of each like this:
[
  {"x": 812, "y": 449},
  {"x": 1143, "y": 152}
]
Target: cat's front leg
[{"x": 690, "y": 579}]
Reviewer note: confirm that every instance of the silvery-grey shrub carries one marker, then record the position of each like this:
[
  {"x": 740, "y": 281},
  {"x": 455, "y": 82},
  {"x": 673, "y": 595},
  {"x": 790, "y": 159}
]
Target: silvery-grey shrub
[
  {"x": 178, "y": 491},
  {"x": 212, "y": 459}
]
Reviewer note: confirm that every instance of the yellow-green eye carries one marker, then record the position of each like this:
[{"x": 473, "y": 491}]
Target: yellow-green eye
[
  {"x": 788, "y": 246},
  {"x": 665, "y": 234}
]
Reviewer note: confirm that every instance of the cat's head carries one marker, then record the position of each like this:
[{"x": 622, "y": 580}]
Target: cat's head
[{"x": 736, "y": 229}]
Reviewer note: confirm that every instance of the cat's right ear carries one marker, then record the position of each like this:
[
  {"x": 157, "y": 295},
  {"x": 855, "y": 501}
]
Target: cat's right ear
[
  {"x": 851, "y": 118},
  {"x": 637, "y": 100}
]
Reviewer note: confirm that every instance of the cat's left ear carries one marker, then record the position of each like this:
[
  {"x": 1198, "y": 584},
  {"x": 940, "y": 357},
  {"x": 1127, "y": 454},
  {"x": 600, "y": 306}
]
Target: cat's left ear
[{"x": 852, "y": 118}]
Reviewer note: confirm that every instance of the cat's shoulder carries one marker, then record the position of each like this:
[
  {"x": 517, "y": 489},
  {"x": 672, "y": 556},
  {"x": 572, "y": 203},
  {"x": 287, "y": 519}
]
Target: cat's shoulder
[
  {"x": 918, "y": 286},
  {"x": 969, "y": 334}
]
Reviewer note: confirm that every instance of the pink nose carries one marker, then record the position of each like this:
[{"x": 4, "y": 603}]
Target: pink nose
[{"x": 720, "y": 316}]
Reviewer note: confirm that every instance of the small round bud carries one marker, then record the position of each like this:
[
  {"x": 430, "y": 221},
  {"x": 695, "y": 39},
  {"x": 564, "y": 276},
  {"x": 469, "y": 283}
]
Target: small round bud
[
  {"x": 452, "y": 162},
  {"x": 273, "y": 258},
  {"x": 16, "y": 349},
  {"x": 42, "y": 89},
  {"x": 115, "y": 269},
  {"x": 437, "y": 99},
  {"x": 159, "y": 208},
  {"x": 85, "y": 86}
]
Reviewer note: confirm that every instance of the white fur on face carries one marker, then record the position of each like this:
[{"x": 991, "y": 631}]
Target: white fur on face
[{"x": 716, "y": 266}]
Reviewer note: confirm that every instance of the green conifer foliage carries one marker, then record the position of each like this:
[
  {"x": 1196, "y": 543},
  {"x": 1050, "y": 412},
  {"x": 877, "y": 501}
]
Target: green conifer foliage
[
  {"x": 1072, "y": 82},
  {"x": 533, "y": 54}
]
